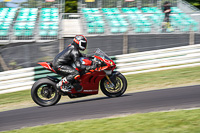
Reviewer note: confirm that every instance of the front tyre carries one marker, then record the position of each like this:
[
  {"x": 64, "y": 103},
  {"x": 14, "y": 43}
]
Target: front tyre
[
  {"x": 118, "y": 90},
  {"x": 44, "y": 92}
]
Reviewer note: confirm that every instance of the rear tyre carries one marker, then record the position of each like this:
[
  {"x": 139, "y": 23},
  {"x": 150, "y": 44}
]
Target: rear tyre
[
  {"x": 44, "y": 92},
  {"x": 118, "y": 90}
]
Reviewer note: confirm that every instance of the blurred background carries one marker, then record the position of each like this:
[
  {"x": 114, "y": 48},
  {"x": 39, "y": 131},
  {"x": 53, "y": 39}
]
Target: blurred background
[{"x": 32, "y": 31}]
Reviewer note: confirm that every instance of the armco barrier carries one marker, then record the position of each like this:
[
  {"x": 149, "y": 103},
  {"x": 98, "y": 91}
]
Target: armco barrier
[
  {"x": 22, "y": 79},
  {"x": 171, "y": 58},
  {"x": 156, "y": 60}
]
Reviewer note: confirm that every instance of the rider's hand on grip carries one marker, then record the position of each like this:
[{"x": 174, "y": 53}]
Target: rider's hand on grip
[{"x": 94, "y": 66}]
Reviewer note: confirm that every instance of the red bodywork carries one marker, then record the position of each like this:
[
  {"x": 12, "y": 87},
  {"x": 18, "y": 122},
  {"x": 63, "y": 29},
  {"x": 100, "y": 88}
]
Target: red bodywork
[
  {"x": 89, "y": 81},
  {"x": 47, "y": 66}
]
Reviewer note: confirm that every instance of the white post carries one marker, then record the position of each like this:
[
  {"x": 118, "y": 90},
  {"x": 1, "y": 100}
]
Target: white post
[
  {"x": 125, "y": 44},
  {"x": 191, "y": 38},
  {"x": 3, "y": 64},
  {"x": 61, "y": 44}
]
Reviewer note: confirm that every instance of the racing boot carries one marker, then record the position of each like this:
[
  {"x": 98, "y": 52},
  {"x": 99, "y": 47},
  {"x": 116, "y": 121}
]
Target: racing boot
[
  {"x": 76, "y": 83},
  {"x": 64, "y": 85}
]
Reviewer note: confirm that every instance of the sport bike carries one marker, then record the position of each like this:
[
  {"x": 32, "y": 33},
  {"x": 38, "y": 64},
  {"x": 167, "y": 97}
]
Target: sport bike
[{"x": 44, "y": 92}]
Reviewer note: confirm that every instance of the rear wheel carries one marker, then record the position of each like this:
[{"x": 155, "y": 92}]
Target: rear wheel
[
  {"x": 44, "y": 92},
  {"x": 118, "y": 90}
]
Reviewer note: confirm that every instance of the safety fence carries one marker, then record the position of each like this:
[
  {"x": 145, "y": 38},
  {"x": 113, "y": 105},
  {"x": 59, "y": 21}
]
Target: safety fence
[
  {"x": 22, "y": 79},
  {"x": 156, "y": 60},
  {"x": 123, "y": 3},
  {"x": 33, "y": 4}
]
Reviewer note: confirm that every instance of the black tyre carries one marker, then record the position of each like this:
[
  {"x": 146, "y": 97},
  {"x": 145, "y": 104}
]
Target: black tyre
[
  {"x": 44, "y": 92},
  {"x": 118, "y": 90}
]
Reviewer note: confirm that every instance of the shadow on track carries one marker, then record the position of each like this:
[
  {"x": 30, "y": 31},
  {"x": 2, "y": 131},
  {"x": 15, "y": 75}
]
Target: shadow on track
[{"x": 92, "y": 99}]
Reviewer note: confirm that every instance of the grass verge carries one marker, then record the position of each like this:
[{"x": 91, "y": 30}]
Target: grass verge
[
  {"x": 185, "y": 121},
  {"x": 137, "y": 82}
]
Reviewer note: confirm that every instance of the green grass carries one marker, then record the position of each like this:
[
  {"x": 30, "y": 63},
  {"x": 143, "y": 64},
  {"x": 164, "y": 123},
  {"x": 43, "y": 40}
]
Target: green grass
[
  {"x": 15, "y": 100},
  {"x": 164, "y": 79},
  {"x": 137, "y": 82},
  {"x": 15, "y": 97},
  {"x": 186, "y": 121}
]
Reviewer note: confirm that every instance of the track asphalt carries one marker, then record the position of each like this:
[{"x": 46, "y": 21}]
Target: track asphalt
[{"x": 140, "y": 102}]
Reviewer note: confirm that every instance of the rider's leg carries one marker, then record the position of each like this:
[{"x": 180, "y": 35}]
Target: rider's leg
[{"x": 69, "y": 73}]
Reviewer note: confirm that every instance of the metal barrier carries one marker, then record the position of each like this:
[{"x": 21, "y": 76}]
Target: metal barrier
[
  {"x": 122, "y": 3},
  {"x": 171, "y": 58},
  {"x": 34, "y": 4},
  {"x": 22, "y": 79},
  {"x": 157, "y": 60}
]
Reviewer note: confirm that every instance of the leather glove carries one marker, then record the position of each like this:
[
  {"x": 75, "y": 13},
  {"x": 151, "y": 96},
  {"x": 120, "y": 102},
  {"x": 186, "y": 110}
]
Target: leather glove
[{"x": 90, "y": 56}]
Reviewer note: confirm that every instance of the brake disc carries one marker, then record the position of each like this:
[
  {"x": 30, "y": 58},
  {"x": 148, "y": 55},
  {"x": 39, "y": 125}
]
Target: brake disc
[{"x": 46, "y": 92}]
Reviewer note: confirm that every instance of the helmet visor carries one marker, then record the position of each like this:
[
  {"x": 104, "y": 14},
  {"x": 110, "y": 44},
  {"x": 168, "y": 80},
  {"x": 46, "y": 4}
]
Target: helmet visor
[{"x": 83, "y": 44}]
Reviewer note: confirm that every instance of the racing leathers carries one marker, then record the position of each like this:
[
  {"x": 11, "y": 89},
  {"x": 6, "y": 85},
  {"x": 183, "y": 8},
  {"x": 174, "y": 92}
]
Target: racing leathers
[{"x": 62, "y": 63}]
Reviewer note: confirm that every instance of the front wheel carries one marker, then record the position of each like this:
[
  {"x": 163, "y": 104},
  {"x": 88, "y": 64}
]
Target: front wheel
[
  {"x": 118, "y": 90},
  {"x": 44, "y": 92}
]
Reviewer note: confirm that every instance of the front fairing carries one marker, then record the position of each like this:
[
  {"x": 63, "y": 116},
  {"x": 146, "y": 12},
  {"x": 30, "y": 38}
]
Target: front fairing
[{"x": 107, "y": 63}]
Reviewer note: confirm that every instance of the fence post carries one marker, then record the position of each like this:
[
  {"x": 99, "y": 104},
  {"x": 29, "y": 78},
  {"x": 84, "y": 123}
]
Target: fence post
[
  {"x": 159, "y": 4},
  {"x": 99, "y": 4},
  {"x": 191, "y": 38},
  {"x": 79, "y": 3},
  {"x": 125, "y": 44},
  {"x": 61, "y": 44},
  {"x": 3, "y": 64},
  {"x": 139, "y": 4},
  {"x": 119, "y": 3}
]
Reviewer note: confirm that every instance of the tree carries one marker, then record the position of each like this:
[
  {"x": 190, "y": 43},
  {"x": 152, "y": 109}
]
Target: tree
[
  {"x": 71, "y": 6},
  {"x": 194, "y": 3}
]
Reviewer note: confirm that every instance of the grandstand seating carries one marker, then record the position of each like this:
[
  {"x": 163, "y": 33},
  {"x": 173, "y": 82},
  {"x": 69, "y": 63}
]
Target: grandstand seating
[
  {"x": 25, "y": 22},
  {"x": 116, "y": 21},
  {"x": 145, "y": 20},
  {"x": 182, "y": 21},
  {"x": 94, "y": 21},
  {"x": 48, "y": 22},
  {"x": 6, "y": 18}
]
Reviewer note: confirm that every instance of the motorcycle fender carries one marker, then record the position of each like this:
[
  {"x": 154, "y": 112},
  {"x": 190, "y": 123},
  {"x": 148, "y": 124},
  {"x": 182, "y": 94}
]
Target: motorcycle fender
[
  {"x": 108, "y": 72},
  {"x": 54, "y": 79},
  {"x": 116, "y": 73},
  {"x": 113, "y": 77}
]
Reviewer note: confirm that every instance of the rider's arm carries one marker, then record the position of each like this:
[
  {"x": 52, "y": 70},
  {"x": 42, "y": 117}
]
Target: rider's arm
[
  {"x": 78, "y": 64},
  {"x": 87, "y": 55}
]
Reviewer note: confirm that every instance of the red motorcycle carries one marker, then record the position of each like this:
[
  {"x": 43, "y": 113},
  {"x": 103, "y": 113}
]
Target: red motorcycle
[{"x": 44, "y": 92}]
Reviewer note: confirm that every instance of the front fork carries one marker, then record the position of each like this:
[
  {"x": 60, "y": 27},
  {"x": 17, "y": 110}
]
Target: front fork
[{"x": 111, "y": 83}]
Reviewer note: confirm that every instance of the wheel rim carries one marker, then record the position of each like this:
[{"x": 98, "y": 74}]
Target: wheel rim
[
  {"x": 46, "y": 93},
  {"x": 118, "y": 87}
]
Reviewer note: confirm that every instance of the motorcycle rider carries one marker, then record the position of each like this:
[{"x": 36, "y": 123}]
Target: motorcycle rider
[{"x": 62, "y": 63}]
